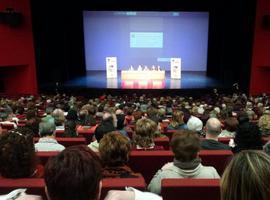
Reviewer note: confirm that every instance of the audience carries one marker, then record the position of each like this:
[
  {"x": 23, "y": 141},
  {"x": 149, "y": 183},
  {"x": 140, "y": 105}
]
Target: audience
[
  {"x": 185, "y": 145},
  {"x": 212, "y": 131},
  {"x": 247, "y": 177},
  {"x": 18, "y": 160}
]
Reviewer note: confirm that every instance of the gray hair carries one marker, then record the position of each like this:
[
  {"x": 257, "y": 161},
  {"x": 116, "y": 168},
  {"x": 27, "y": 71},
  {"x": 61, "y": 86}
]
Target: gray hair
[{"x": 46, "y": 128}]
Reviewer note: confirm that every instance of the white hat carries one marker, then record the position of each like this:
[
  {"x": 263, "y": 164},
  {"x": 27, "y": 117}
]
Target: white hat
[{"x": 194, "y": 124}]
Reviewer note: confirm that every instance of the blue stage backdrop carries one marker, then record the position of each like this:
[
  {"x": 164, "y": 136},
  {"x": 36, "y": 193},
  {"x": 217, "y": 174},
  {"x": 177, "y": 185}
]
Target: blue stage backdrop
[{"x": 146, "y": 38}]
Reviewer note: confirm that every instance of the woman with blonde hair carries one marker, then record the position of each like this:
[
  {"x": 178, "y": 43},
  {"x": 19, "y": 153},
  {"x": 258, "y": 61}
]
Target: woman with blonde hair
[
  {"x": 177, "y": 122},
  {"x": 264, "y": 124},
  {"x": 143, "y": 138},
  {"x": 247, "y": 177}
]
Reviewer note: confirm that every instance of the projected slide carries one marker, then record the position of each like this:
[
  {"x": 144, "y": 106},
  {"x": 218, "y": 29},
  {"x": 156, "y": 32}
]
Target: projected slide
[{"x": 146, "y": 40}]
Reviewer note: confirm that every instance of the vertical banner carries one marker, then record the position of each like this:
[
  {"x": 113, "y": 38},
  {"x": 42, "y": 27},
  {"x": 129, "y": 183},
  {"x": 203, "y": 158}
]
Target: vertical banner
[
  {"x": 111, "y": 67},
  {"x": 176, "y": 68}
]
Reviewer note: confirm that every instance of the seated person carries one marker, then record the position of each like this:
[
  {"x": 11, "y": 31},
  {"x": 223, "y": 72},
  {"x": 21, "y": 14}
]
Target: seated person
[
  {"x": 185, "y": 145},
  {"x": 195, "y": 124},
  {"x": 177, "y": 122},
  {"x": 105, "y": 127},
  {"x": 143, "y": 138},
  {"x": 114, "y": 150},
  {"x": 74, "y": 174},
  {"x": 264, "y": 124},
  {"x": 47, "y": 142},
  {"x": 246, "y": 177},
  {"x": 17, "y": 156},
  {"x": 212, "y": 130},
  {"x": 248, "y": 136},
  {"x": 59, "y": 118},
  {"x": 230, "y": 125},
  {"x": 120, "y": 124}
]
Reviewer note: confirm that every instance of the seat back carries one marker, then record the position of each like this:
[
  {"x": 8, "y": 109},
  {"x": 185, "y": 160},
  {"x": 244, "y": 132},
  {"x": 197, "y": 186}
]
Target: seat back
[
  {"x": 33, "y": 185},
  {"x": 162, "y": 141},
  {"x": 216, "y": 158},
  {"x": 43, "y": 156},
  {"x": 120, "y": 184},
  {"x": 191, "y": 189},
  {"x": 148, "y": 162}
]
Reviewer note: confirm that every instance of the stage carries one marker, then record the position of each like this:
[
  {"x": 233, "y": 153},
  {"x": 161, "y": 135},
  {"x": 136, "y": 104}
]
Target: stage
[{"x": 189, "y": 80}]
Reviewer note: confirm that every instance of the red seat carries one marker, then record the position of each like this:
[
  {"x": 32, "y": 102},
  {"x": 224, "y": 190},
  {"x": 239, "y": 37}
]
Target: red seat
[
  {"x": 68, "y": 141},
  {"x": 148, "y": 162},
  {"x": 43, "y": 156},
  {"x": 169, "y": 133},
  {"x": 120, "y": 184},
  {"x": 216, "y": 158},
  {"x": 225, "y": 140},
  {"x": 163, "y": 141},
  {"x": 265, "y": 139},
  {"x": 7, "y": 126},
  {"x": 191, "y": 189},
  {"x": 34, "y": 185}
]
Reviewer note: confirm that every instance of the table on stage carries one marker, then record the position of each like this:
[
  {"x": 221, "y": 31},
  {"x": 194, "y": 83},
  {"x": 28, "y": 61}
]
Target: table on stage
[{"x": 142, "y": 75}]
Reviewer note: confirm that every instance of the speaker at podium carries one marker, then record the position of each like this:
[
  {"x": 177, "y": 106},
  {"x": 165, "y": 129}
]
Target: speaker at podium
[{"x": 175, "y": 68}]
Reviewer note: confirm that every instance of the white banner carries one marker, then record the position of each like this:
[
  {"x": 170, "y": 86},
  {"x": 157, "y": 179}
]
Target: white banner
[
  {"x": 111, "y": 67},
  {"x": 176, "y": 68}
]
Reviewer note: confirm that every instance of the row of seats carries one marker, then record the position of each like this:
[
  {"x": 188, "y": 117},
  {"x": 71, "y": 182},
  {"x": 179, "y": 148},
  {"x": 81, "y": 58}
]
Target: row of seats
[
  {"x": 149, "y": 162},
  {"x": 171, "y": 189}
]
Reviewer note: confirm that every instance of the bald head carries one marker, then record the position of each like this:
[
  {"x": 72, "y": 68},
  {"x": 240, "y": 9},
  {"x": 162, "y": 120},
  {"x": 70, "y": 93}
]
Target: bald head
[{"x": 213, "y": 126}]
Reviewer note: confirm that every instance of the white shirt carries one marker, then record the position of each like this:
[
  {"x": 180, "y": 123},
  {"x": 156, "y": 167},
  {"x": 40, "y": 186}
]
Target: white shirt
[
  {"x": 139, "y": 195},
  {"x": 48, "y": 144}
]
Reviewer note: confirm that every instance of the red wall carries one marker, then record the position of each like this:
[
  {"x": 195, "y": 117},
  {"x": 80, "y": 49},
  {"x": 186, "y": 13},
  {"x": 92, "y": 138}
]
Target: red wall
[
  {"x": 17, "y": 59},
  {"x": 260, "y": 69}
]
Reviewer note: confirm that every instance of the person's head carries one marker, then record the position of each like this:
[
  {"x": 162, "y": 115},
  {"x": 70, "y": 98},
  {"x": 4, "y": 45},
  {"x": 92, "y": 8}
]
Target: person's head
[
  {"x": 72, "y": 115},
  {"x": 83, "y": 114},
  {"x": 177, "y": 118},
  {"x": 114, "y": 149},
  {"x": 144, "y": 132},
  {"x": 248, "y": 136},
  {"x": 213, "y": 127},
  {"x": 46, "y": 128},
  {"x": 194, "y": 124},
  {"x": 103, "y": 129},
  {"x": 247, "y": 177},
  {"x": 70, "y": 128},
  {"x": 74, "y": 174},
  {"x": 17, "y": 155},
  {"x": 49, "y": 110},
  {"x": 264, "y": 122},
  {"x": 185, "y": 145},
  {"x": 59, "y": 117},
  {"x": 231, "y": 124}
]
